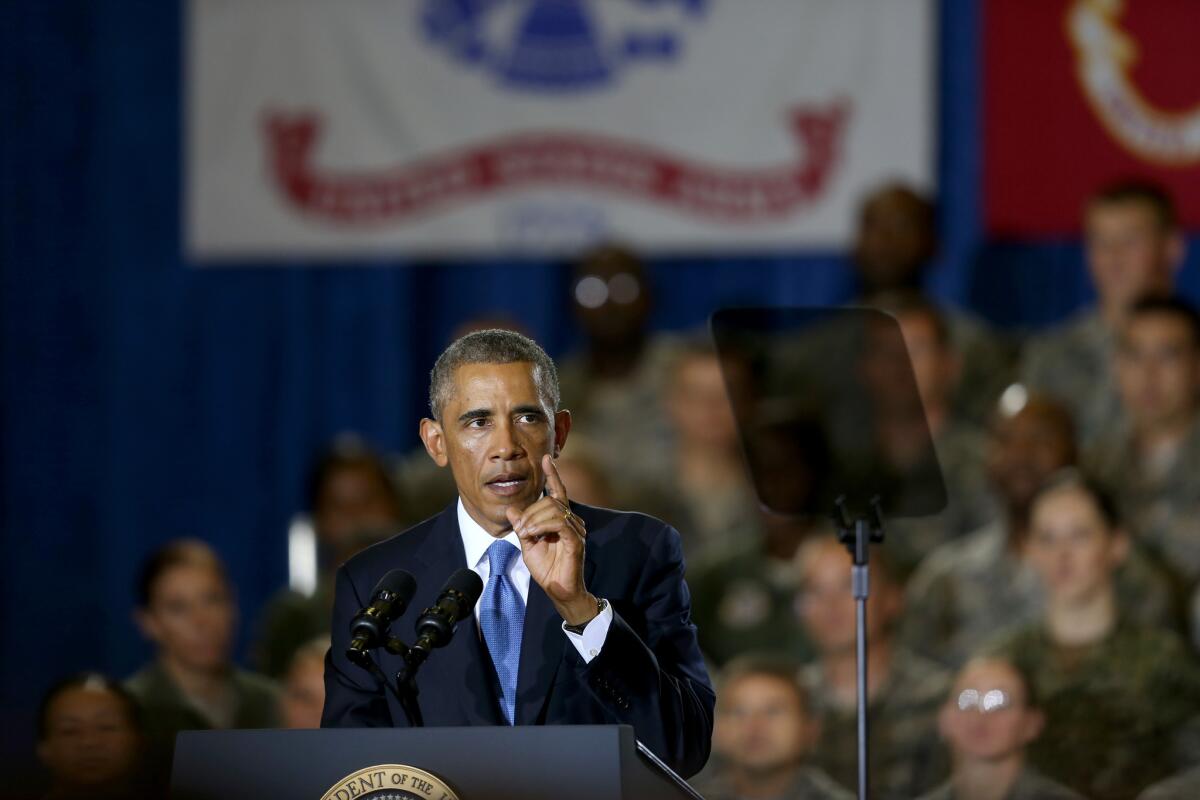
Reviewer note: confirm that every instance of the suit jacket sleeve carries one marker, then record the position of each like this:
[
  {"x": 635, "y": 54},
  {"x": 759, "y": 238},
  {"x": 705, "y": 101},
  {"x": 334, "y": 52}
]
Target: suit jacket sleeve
[
  {"x": 353, "y": 697},
  {"x": 656, "y": 681}
]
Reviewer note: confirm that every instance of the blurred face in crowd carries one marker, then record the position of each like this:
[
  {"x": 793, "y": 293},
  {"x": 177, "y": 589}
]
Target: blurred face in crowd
[
  {"x": 1129, "y": 253},
  {"x": 698, "y": 405},
  {"x": 493, "y": 432},
  {"x": 762, "y": 725},
  {"x": 351, "y": 503},
  {"x": 1025, "y": 449},
  {"x": 90, "y": 739},
  {"x": 1071, "y": 546},
  {"x": 987, "y": 716},
  {"x": 612, "y": 299},
  {"x": 895, "y": 239},
  {"x": 304, "y": 692},
  {"x": 191, "y": 617},
  {"x": 826, "y": 601},
  {"x": 583, "y": 480},
  {"x": 934, "y": 364},
  {"x": 1158, "y": 370}
]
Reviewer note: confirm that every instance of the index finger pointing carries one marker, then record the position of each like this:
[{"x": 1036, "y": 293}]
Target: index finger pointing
[{"x": 554, "y": 484}]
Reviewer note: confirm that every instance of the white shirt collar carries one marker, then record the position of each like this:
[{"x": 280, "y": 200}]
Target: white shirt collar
[{"x": 476, "y": 540}]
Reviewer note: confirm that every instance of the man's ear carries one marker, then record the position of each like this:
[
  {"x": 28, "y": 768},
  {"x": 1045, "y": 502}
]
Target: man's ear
[
  {"x": 562, "y": 426},
  {"x": 1121, "y": 545},
  {"x": 434, "y": 440}
]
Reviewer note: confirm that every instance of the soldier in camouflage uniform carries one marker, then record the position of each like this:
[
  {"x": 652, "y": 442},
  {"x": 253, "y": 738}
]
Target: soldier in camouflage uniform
[
  {"x": 969, "y": 591},
  {"x": 1133, "y": 248},
  {"x": 763, "y": 733},
  {"x": 988, "y": 720},
  {"x": 895, "y": 243},
  {"x": 1118, "y": 697},
  {"x": 1152, "y": 466},
  {"x": 744, "y": 598},
  {"x": 904, "y": 690}
]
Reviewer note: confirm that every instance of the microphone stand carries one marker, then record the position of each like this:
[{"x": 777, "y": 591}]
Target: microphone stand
[
  {"x": 405, "y": 688},
  {"x": 857, "y": 536}
]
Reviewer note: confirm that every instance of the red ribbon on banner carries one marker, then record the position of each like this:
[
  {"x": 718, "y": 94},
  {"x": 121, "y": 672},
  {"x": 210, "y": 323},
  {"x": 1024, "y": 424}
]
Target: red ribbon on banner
[{"x": 546, "y": 159}]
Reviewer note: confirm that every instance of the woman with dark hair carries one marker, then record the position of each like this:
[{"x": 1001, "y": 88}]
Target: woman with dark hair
[
  {"x": 1117, "y": 695},
  {"x": 187, "y": 609},
  {"x": 90, "y": 738}
]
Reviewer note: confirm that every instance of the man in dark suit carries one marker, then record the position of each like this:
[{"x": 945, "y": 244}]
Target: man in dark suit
[{"x": 584, "y": 617}]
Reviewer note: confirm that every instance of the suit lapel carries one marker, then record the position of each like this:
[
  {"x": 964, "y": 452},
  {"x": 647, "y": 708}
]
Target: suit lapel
[{"x": 463, "y": 668}]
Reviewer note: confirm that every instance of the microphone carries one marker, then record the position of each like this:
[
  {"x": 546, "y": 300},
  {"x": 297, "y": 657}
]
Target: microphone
[
  {"x": 369, "y": 628},
  {"x": 437, "y": 623}
]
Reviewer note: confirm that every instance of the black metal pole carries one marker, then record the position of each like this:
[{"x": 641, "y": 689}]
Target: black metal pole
[{"x": 861, "y": 583}]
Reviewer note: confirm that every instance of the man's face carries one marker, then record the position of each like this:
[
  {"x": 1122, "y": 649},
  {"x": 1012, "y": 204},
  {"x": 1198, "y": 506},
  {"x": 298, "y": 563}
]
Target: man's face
[
  {"x": 825, "y": 599},
  {"x": 1158, "y": 370},
  {"x": 493, "y": 432},
  {"x": 192, "y": 616},
  {"x": 762, "y": 725},
  {"x": 1024, "y": 450},
  {"x": 353, "y": 505},
  {"x": 90, "y": 739},
  {"x": 994, "y": 734},
  {"x": 894, "y": 241},
  {"x": 1128, "y": 253},
  {"x": 698, "y": 405},
  {"x": 1071, "y": 546}
]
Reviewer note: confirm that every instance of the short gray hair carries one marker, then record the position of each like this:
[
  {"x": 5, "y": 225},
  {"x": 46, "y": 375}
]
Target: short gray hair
[{"x": 492, "y": 346}]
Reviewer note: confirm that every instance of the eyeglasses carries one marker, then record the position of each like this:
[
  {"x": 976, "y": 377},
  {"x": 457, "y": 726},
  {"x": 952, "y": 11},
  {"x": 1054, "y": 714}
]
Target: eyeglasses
[{"x": 983, "y": 702}]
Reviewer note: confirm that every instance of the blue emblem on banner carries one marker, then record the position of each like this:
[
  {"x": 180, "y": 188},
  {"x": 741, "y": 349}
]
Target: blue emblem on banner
[{"x": 556, "y": 45}]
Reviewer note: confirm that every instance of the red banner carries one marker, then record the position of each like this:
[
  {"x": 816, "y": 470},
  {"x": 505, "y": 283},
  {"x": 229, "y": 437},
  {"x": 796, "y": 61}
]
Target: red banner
[{"x": 1079, "y": 93}]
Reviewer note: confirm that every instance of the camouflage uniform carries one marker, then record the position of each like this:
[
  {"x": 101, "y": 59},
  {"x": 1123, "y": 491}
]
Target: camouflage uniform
[
  {"x": 810, "y": 784},
  {"x": 1161, "y": 506},
  {"x": 745, "y": 602},
  {"x": 1073, "y": 364},
  {"x": 1185, "y": 786},
  {"x": 987, "y": 365},
  {"x": 623, "y": 417},
  {"x": 1115, "y": 710},
  {"x": 709, "y": 523},
  {"x": 969, "y": 592},
  {"x": 1029, "y": 786},
  {"x": 906, "y": 756}
]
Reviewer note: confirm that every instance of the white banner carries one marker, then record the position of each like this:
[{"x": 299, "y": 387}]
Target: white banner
[{"x": 354, "y": 127}]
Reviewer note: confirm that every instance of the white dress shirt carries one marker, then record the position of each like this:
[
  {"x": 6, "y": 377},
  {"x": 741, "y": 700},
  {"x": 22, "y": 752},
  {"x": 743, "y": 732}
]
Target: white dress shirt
[{"x": 476, "y": 541}]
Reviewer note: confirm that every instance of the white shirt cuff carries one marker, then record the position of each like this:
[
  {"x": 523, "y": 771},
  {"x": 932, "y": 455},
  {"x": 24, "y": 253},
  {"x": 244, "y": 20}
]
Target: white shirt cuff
[{"x": 591, "y": 641}]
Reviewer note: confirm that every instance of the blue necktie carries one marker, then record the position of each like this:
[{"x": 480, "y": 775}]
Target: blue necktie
[{"x": 502, "y": 616}]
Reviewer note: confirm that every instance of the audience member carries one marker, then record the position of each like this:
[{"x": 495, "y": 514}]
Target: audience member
[
  {"x": 988, "y": 720},
  {"x": 187, "y": 609},
  {"x": 903, "y": 689},
  {"x": 90, "y": 738},
  {"x": 303, "y": 694},
  {"x": 743, "y": 598},
  {"x": 614, "y": 386},
  {"x": 584, "y": 476},
  {"x": 894, "y": 245},
  {"x": 762, "y": 736},
  {"x": 1152, "y": 466},
  {"x": 957, "y": 443},
  {"x": 967, "y": 592},
  {"x": 354, "y": 502},
  {"x": 1117, "y": 695},
  {"x": 1133, "y": 248},
  {"x": 702, "y": 489}
]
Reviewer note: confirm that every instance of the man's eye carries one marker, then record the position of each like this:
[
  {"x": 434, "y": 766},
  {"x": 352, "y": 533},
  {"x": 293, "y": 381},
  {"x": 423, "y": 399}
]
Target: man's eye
[
  {"x": 527, "y": 417},
  {"x": 478, "y": 422}
]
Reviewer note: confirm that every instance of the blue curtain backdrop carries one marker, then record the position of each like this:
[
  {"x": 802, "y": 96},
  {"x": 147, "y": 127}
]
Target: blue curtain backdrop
[{"x": 145, "y": 399}]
